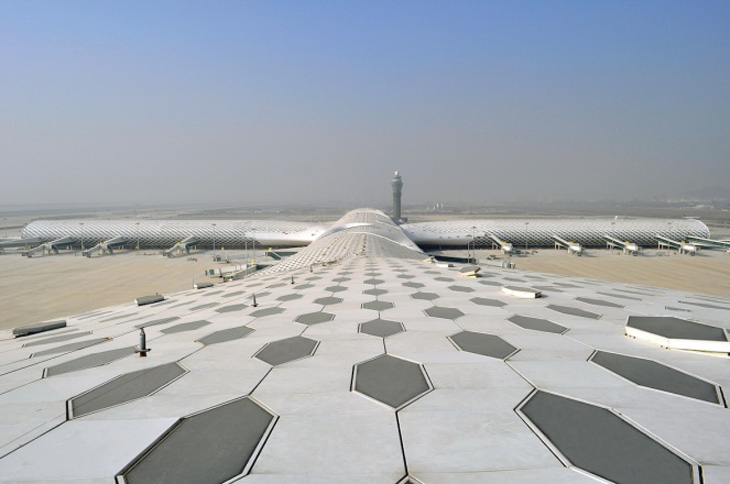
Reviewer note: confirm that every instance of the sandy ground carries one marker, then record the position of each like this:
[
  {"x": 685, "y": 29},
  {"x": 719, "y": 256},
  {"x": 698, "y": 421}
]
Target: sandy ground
[
  {"x": 51, "y": 287},
  {"x": 706, "y": 273}
]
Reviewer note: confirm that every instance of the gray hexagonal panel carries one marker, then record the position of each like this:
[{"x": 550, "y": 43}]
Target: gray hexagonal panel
[
  {"x": 89, "y": 361},
  {"x": 375, "y": 292},
  {"x": 378, "y": 305},
  {"x": 286, "y": 350},
  {"x": 373, "y": 282},
  {"x": 483, "y": 344},
  {"x": 229, "y": 309},
  {"x": 314, "y": 318},
  {"x": 426, "y": 296},
  {"x": 125, "y": 388},
  {"x": 211, "y": 446},
  {"x": 415, "y": 285},
  {"x": 598, "y": 302},
  {"x": 391, "y": 380},
  {"x": 79, "y": 345},
  {"x": 260, "y": 313},
  {"x": 381, "y": 327},
  {"x": 289, "y": 297},
  {"x": 485, "y": 301},
  {"x": 226, "y": 335},
  {"x": 443, "y": 313},
  {"x": 461, "y": 288},
  {"x": 327, "y": 301},
  {"x": 537, "y": 324},
  {"x": 443, "y": 279},
  {"x": 598, "y": 441},
  {"x": 335, "y": 288},
  {"x": 179, "y": 328},
  {"x": 676, "y": 328},
  {"x": 573, "y": 311},
  {"x": 156, "y": 322},
  {"x": 204, "y": 306},
  {"x": 652, "y": 374},
  {"x": 705, "y": 305},
  {"x": 56, "y": 339}
]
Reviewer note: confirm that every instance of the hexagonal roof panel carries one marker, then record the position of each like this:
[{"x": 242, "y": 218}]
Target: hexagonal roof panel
[
  {"x": 378, "y": 305},
  {"x": 391, "y": 380},
  {"x": 381, "y": 327},
  {"x": 537, "y": 324},
  {"x": 414, "y": 285},
  {"x": 373, "y": 282},
  {"x": 483, "y": 344},
  {"x": 286, "y": 350},
  {"x": 179, "y": 328},
  {"x": 485, "y": 301},
  {"x": 204, "y": 306},
  {"x": 597, "y": 440},
  {"x": 427, "y": 296},
  {"x": 676, "y": 328},
  {"x": 289, "y": 297},
  {"x": 573, "y": 311},
  {"x": 327, "y": 301},
  {"x": 443, "y": 313},
  {"x": 215, "y": 445},
  {"x": 314, "y": 318},
  {"x": 79, "y": 345},
  {"x": 375, "y": 292},
  {"x": 335, "y": 288},
  {"x": 56, "y": 339},
  {"x": 156, "y": 322},
  {"x": 461, "y": 288},
  {"x": 89, "y": 361},
  {"x": 226, "y": 335},
  {"x": 125, "y": 388},
  {"x": 260, "y": 313},
  {"x": 598, "y": 302},
  {"x": 652, "y": 374}
]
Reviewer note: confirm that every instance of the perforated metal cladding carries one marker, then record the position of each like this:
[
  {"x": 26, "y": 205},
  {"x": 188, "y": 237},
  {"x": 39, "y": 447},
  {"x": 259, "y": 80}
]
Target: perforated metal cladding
[
  {"x": 239, "y": 233},
  {"x": 539, "y": 233},
  {"x": 359, "y": 232},
  {"x": 163, "y": 233}
]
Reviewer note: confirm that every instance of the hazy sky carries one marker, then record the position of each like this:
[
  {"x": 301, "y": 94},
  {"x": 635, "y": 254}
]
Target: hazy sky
[{"x": 263, "y": 101}]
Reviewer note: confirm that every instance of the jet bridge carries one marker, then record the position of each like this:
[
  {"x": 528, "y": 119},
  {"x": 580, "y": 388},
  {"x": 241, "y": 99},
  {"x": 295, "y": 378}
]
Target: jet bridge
[
  {"x": 710, "y": 243},
  {"x": 106, "y": 247},
  {"x": 27, "y": 243},
  {"x": 182, "y": 246},
  {"x": 573, "y": 248},
  {"x": 506, "y": 247},
  {"x": 627, "y": 247},
  {"x": 50, "y": 247},
  {"x": 681, "y": 246}
]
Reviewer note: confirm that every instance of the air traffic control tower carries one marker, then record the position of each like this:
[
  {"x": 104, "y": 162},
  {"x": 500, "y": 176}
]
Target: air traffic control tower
[{"x": 397, "y": 184}]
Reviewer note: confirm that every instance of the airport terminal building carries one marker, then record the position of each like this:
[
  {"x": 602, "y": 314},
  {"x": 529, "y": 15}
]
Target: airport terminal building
[{"x": 360, "y": 360}]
